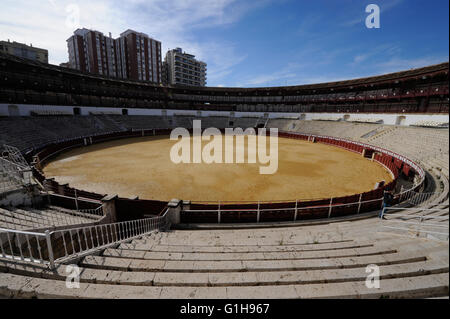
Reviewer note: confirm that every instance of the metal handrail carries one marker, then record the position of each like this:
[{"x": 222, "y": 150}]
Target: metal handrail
[
  {"x": 295, "y": 209},
  {"x": 278, "y": 209},
  {"x": 423, "y": 219},
  {"x": 12, "y": 241},
  {"x": 414, "y": 198},
  {"x": 95, "y": 211},
  {"x": 68, "y": 244}
]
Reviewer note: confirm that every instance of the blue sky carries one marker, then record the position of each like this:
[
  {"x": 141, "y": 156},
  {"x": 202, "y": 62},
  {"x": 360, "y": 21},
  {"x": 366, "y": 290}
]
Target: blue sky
[{"x": 256, "y": 42}]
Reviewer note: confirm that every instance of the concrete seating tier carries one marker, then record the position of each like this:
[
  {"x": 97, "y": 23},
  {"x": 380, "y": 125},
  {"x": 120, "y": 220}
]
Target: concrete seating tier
[
  {"x": 321, "y": 261},
  {"x": 27, "y": 218},
  {"x": 308, "y": 261}
]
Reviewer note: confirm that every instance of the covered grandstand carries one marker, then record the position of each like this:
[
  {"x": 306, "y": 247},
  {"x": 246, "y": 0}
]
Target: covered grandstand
[{"x": 423, "y": 90}]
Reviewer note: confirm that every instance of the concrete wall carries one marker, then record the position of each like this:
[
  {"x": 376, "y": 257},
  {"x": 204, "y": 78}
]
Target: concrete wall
[{"x": 389, "y": 119}]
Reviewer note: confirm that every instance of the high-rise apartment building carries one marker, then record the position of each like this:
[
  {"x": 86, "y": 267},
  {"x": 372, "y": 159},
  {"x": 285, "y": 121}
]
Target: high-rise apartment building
[
  {"x": 182, "y": 68},
  {"x": 24, "y": 51},
  {"x": 142, "y": 56},
  {"x": 91, "y": 51},
  {"x": 133, "y": 55}
]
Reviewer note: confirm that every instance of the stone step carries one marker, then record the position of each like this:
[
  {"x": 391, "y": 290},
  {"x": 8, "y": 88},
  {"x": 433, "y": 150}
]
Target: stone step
[
  {"x": 69, "y": 216},
  {"x": 8, "y": 225},
  {"x": 89, "y": 275},
  {"x": 328, "y": 233},
  {"x": 36, "y": 218},
  {"x": 53, "y": 216},
  {"x": 150, "y": 245},
  {"x": 28, "y": 221},
  {"x": 434, "y": 285},
  {"x": 150, "y": 255},
  {"x": 113, "y": 263},
  {"x": 72, "y": 212},
  {"x": 147, "y": 244},
  {"x": 168, "y": 239},
  {"x": 9, "y": 217}
]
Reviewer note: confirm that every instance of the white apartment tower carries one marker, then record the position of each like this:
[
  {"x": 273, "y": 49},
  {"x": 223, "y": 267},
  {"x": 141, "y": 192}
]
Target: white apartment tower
[{"x": 183, "y": 69}]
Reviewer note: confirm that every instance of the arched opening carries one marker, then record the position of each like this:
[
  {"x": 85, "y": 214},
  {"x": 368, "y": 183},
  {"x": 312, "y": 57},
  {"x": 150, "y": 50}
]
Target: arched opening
[
  {"x": 76, "y": 111},
  {"x": 124, "y": 111}
]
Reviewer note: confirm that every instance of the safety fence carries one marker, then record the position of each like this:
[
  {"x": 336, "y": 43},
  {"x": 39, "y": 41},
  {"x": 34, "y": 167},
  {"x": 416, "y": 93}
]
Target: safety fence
[
  {"x": 60, "y": 246},
  {"x": 434, "y": 221},
  {"x": 15, "y": 173},
  {"x": 414, "y": 198},
  {"x": 93, "y": 212},
  {"x": 13, "y": 176},
  {"x": 395, "y": 163},
  {"x": 256, "y": 213}
]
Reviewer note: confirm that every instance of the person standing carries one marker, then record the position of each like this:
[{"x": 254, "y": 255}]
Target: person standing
[{"x": 387, "y": 202}]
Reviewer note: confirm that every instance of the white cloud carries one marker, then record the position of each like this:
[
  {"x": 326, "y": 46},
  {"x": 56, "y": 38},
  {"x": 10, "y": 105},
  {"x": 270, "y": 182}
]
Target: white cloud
[
  {"x": 374, "y": 52},
  {"x": 398, "y": 64}
]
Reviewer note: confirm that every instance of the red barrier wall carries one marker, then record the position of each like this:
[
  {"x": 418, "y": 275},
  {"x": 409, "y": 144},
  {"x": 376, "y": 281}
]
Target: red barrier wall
[{"x": 132, "y": 209}]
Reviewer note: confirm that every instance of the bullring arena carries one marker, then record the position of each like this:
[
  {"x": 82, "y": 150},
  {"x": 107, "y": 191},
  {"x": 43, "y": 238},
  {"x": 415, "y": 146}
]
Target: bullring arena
[
  {"x": 86, "y": 181},
  {"x": 305, "y": 171}
]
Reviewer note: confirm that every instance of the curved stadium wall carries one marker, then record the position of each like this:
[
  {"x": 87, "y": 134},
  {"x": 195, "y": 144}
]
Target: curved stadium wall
[
  {"x": 242, "y": 212},
  {"x": 423, "y": 90}
]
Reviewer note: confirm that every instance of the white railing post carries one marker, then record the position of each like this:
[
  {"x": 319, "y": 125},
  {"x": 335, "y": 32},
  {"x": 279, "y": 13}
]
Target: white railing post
[
  {"x": 218, "y": 214},
  {"x": 295, "y": 214},
  {"x": 359, "y": 203},
  {"x": 76, "y": 199},
  {"x": 331, "y": 207},
  {"x": 51, "y": 257},
  {"x": 257, "y": 214}
]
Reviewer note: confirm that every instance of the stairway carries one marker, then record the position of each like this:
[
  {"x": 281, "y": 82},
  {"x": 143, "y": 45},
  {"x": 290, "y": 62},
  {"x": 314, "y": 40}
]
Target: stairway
[{"x": 321, "y": 261}]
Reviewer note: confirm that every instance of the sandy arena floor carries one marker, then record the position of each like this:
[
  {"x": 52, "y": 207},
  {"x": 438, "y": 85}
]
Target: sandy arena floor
[{"x": 142, "y": 167}]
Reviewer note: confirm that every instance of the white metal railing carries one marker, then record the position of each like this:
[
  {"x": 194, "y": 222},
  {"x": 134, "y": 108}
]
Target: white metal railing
[
  {"x": 417, "y": 220},
  {"x": 97, "y": 212},
  {"x": 13, "y": 155},
  {"x": 25, "y": 246},
  {"x": 53, "y": 247},
  {"x": 76, "y": 199},
  {"x": 414, "y": 198},
  {"x": 14, "y": 170},
  {"x": 12, "y": 176},
  {"x": 296, "y": 210}
]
